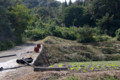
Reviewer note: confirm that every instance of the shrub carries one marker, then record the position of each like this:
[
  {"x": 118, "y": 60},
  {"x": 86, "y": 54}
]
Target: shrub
[
  {"x": 101, "y": 38},
  {"x": 72, "y": 78},
  {"x": 86, "y": 34},
  {"x": 118, "y": 34},
  {"x": 36, "y": 34},
  {"x": 68, "y": 34},
  {"x": 4, "y": 45},
  {"x": 107, "y": 77},
  {"x": 108, "y": 50},
  {"x": 112, "y": 57}
]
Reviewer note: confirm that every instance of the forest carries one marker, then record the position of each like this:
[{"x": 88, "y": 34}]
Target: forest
[{"x": 84, "y": 21}]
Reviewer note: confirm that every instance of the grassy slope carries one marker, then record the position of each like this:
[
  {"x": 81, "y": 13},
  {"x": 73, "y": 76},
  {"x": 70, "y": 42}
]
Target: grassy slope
[
  {"x": 70, "y": 54},
  {"x": 61, "y": 50}
]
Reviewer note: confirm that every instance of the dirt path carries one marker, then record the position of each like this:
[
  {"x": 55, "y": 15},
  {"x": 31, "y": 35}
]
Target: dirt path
[
  {"x": 18, "y": 50},
  {"x": 25, "y": 50}
]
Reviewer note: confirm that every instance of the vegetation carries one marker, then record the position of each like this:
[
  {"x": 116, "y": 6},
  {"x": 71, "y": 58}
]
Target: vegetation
[
  {"x": 86, "y": 30},
  {"x": 85, "y": 21},
  {"x": 90, "y": 66},
  {"x": 72, "y": 78},
  {"x": 62, "y": 50},
  {"x": 105, "y": 77}
]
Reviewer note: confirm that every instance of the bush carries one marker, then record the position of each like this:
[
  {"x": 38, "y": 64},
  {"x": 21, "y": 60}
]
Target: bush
[
  {"x": 118, "y": 34},
  {"x": 112, "y": 57},
  {"x": 108, "y": 50},
  {"x": 36, "y": 34},
  {"x": 107, "y": 77},
  {"x": 67, "y": 33},
  {"x": 85, "y": 34},
  {"x": 101, "y": 38},
  {"x": 4, "y": 45},
  {"x": 72, "y": 78}
]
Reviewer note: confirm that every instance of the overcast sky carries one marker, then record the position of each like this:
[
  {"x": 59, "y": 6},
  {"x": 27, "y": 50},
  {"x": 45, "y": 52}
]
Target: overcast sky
[{"x": 66, "y": 0}]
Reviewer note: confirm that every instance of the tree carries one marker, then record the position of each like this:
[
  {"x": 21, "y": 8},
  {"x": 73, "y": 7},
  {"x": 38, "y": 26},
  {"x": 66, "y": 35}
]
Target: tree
[
  {"x": 31, "y": 3},
  {"x": 111, "y": 7},
  {"x": 43, "y": 13},
  {"x": 19, "y": 18},
  {"x": 75, "y": 16},
  {"x": 70, "y": 2},
  {"x": 5, "y": 30},
  {"x": 108, "y": 24},
  {"x": 79, "y": 2},
  {"x": 65, "y": 3}
]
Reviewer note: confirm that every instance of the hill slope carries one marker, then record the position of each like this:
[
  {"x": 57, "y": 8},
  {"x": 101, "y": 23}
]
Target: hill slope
[{"x": 61, "y": 50}]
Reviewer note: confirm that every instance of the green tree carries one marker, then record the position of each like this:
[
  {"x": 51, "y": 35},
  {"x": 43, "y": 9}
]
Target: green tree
[
  {"x": 70, "y": 2},
  {"x": 107, "y": 24},
  {"x": 5, "y": 30},
  {"x": 101, "y": 8},
  {"x": 30, "y": 3},
  {"x": 19, "y": 19},
  {"x": 43, "y": 13},
  {"x": 74, "y": 15},
  {"x": 65, "y": 3}
]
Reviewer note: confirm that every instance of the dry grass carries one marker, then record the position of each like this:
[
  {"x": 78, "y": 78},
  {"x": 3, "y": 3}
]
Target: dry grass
[{"x": 28, "y": 74}]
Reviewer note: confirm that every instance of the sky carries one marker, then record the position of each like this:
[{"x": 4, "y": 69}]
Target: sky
[{"x": 66, "y": 0}]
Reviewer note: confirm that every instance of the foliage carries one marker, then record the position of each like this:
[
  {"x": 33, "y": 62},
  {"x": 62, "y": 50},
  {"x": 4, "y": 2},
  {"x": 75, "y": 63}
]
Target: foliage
[
  {"x": 118, "y": 34},
  {"x": 107, "y": 24},
  {"x": 74, "y": 16},
  {"x": 107, "y": 11},
  {"x": 83, "y": 35},
  {"x": 5, "y": 31},
  {"x": 52, "y": 18},
  {"x": 112, "y": 57},
  {"x": 107, "y": 77},
  {"x": 86, "y": 34},
  {"x": 109, "y": 50},
  {"x": 19, "y": 18},
  {"x": 6, "y": 45},
  {"x": 43, "y": 13},
  {"x": 101, "y": 38},
  {"x": 72, "y": 78},
  {"x": 91, "y": 67}
]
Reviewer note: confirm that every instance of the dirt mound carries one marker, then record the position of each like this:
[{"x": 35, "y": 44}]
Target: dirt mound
[{"x": 61, "y": 50}]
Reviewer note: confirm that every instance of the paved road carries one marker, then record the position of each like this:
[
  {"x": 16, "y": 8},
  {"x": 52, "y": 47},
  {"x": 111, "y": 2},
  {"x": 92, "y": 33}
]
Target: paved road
[{"x": 18, "y": 50}]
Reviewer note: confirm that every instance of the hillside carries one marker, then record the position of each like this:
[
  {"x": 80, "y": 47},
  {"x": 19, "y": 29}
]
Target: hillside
[{"x": 61, "y": 50}]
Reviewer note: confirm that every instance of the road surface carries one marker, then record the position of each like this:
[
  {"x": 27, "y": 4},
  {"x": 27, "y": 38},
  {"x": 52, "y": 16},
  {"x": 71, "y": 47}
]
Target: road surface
[
  {"x": 18, "y": 50},
  {"x": 21, "y": 51}
]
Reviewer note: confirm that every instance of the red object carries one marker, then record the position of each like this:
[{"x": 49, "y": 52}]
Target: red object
[
  {"x": 39, "y": 45},
  {"x": 36, "y": 49}
]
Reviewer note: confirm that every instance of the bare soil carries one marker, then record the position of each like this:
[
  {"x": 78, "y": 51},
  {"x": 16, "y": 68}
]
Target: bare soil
[{"x": 27, "y": 73}]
